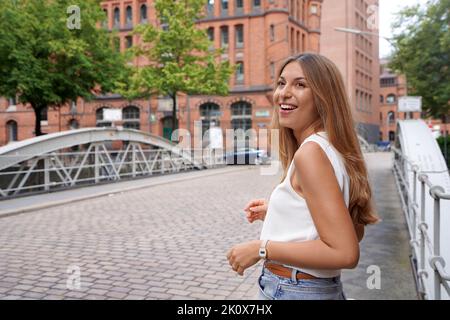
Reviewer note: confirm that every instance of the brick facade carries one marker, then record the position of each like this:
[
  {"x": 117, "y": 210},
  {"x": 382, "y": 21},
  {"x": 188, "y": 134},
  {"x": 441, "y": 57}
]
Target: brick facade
[
  {"x": 271, "y": 31},
  {"x": 356, "y": 57},
  {"x": 393, "y": 86}
]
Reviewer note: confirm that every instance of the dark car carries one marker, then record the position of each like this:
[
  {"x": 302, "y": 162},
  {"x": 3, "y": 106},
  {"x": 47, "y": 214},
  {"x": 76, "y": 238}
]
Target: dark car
[{"x": 246, "y": 156}]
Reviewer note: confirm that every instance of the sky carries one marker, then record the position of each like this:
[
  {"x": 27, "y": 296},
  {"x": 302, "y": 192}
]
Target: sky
[{"x": 387, "y": 10}]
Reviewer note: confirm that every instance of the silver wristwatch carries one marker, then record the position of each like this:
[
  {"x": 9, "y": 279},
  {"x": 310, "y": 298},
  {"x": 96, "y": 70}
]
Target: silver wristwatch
[{"x": 262, "y": 249}]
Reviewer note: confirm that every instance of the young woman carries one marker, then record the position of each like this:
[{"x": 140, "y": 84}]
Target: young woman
[{"x": 316, "y": 216}]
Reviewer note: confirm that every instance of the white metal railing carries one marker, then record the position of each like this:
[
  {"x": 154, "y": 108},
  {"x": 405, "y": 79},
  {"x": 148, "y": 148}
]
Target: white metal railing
[
  {"x": 97, "y": 163},
  {"x": 425, "y": 242}
]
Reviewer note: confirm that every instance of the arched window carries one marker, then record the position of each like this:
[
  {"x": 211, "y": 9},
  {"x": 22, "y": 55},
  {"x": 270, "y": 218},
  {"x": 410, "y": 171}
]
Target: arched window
[
  {"x": 11, "y": 127},
  {"x": 143, "y": 10},
  {"x": 391, "y": 98},
  {"x": 116, "y": 23},
  {"x": 99, "y": 118},
  {"x": 210, "y": 115},
  {"x": 129, "y": 17},
  {"x": 131, "y": 117}
]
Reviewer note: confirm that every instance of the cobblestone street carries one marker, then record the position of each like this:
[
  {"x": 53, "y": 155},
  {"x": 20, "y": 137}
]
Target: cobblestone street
[{"x": 167, "y": 241}]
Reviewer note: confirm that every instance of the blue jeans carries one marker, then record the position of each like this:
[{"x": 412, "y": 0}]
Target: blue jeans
[{"x": 273, "y": 287}]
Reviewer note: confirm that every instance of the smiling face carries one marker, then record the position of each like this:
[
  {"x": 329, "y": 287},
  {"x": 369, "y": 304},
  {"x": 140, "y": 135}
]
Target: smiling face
[{"x": 293, "y": 99}]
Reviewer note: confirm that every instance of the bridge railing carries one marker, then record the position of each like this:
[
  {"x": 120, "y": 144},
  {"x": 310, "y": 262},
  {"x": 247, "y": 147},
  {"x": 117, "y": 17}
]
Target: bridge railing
[
  {"x": 416, "y": 190},
  {"x": 94, "y": 155},
  {"x": 97, "y": 164}
]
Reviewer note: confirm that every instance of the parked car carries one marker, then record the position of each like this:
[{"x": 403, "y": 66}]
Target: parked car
[
  {"x": 384, "y": 146},
  {"x": 246, "y": 156}
]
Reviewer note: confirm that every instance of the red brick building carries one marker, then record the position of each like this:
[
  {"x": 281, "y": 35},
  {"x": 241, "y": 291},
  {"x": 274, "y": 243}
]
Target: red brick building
[
  {"x": 393, "y": 86},
  {"x": 356, "y": 56},
  {"x": 257, "y": 35}
]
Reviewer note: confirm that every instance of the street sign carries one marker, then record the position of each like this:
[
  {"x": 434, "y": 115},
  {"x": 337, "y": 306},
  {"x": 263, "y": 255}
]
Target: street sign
[
  {"x": 410, "y": 104},
  {"x": 112, "y": 114}
]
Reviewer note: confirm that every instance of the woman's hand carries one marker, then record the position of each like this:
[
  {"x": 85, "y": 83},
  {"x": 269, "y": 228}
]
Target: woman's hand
[
  {"x": 256, "y": 210},
  {"x": 244, "y": 255}
]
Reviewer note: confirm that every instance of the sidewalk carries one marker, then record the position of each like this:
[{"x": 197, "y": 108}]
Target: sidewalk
[{"x": 45, "y": 200}]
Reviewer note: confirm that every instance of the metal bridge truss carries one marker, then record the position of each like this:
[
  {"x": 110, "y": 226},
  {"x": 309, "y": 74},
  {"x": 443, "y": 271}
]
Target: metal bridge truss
[{"x": 80, "y": 157}]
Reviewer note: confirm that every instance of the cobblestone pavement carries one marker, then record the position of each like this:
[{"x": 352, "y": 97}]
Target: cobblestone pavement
[{"x": 163, "y": 242}]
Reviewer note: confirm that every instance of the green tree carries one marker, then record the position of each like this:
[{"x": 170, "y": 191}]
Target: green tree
[
  {"x": 422, "y": 53},
  {"x": 180, "y": 55},
  {"x": 49, "y": 59}
]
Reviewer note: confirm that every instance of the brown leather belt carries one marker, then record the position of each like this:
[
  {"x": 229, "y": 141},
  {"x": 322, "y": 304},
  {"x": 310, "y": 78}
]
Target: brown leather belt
[{"x": 286, "y": 272}]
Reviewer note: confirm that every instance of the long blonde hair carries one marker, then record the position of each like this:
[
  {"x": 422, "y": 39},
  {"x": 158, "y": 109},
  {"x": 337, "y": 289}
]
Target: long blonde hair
[{"x": 332, "y": 105}]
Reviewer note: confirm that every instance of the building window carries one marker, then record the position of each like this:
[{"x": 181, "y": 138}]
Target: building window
[
  {"x": 381, "y": 98},
  {"x": 129, "y": 14},
  {"x": 272, "y": 32},
  {"x": 143, "y": 10},
  {"x": 391, "y": 117},
  {"x": 210, "y": 115},
  {"x": 105, "y": 19},
  {"x": 381, "y": 117},
  {"x": 313, "y": 9},
  {"x": 12, "y": 101},
  {"x": 116, "y": 18},
  {"x": 11, "y": 127},
  {"x": 388, "y": 82},
  {"x": 99, "y": 118},
  {"x": 210, "y": 7},
  {"x": 224, "y": 36},
  {"x": 129, "y": 41},
  {"x": 390, "y": 98},
  {"x": 44, "y": 114},
  {"x": 239, "y": 36},
  {"x": 239, "y": 4},
  {"x": 225, "y": 5},
  {"x": 240, "y": 72},
  {"x": 256, "y": 3},
  {"x": 210, "y": 33},
  {"x": 131, "y": 117},
  {"x": 241, "y": 116},
  {"x": 357, "y": 99},
  {"x": 391, "y": 136}
]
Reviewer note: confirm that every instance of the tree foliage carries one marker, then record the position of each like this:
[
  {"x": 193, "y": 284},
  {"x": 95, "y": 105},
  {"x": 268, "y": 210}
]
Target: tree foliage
[
  {"x": 181, "y": 57},
  {"x": 45, "y": 63},
  {"x": 422, "y": 53}
]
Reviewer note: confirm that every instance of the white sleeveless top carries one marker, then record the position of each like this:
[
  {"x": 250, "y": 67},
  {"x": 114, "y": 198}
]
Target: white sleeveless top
[{"x": 288, "y": 217}]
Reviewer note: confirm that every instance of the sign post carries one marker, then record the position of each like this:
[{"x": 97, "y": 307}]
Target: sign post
[{"x": 409, "y": 104}]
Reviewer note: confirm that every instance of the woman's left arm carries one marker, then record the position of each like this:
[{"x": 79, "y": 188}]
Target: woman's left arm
[{"x": 337, "y": 246}]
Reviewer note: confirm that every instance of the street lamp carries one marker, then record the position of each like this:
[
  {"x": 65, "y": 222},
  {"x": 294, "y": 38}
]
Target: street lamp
[{"x": 360, "y": 32}]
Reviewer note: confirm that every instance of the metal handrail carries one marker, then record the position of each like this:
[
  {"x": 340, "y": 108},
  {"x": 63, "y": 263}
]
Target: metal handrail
[{"x": 436, "y": 262}]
